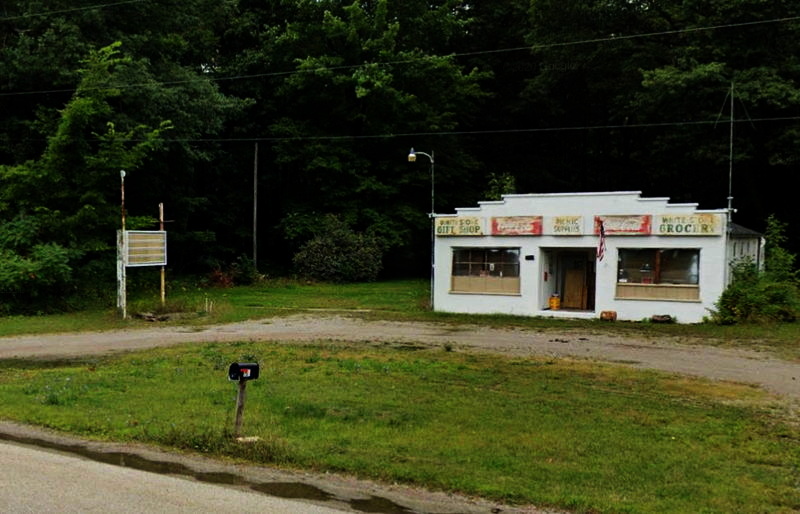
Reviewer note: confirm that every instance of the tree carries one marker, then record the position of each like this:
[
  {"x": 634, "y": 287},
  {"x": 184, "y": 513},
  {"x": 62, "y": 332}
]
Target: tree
[
  {"x": 60, "y": 211},
  {"x": 341, "y": 77}
]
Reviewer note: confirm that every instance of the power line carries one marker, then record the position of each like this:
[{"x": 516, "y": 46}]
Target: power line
[
  {"x": 460, "y": 133},
  {"x": 634, "y": 36},
  {"x": 64, "y": 11},
  {"x": 489, "y": 132},
  {"x": 541, "y": 46}
]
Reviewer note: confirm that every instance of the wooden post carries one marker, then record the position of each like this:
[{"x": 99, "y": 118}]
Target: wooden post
[{"x": 240, "y": 398}]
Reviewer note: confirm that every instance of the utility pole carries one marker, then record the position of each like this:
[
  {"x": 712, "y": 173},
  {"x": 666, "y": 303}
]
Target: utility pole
[{"x": 255, "y": 208}]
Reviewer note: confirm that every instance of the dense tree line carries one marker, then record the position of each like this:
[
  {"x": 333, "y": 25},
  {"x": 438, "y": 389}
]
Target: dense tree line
[{"x": 538, "y": 95}]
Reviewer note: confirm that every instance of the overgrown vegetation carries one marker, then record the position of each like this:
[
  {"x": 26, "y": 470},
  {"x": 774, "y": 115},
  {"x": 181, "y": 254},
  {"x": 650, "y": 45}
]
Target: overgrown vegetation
[
  {"x": 56, "y": 227},
  {"x": 763, "y": 295},
  {"x": 571, "y": 434},
  {"x": 513, "y": 95},
  {"x": 338, "y": 254}
]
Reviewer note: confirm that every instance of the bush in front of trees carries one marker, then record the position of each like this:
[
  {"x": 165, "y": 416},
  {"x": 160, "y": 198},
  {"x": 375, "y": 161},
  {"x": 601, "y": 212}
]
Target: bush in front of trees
[
  {"x": 768, "y": 294},
  {"x": 337, "y": 253}
]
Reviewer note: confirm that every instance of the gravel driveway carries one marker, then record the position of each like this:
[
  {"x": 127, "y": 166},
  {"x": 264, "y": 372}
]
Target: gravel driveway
[{"x": 775, "y": 375}]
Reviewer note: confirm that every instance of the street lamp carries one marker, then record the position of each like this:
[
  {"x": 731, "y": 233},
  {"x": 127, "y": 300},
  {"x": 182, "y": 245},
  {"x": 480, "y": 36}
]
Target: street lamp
[{"x": 412, "y": 157}]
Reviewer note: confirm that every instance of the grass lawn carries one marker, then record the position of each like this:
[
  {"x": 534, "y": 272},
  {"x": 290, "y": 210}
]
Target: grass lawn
[{"x": 570, "y": 434}]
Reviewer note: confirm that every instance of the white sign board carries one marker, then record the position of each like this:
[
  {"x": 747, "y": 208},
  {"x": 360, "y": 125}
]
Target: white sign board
[{"x": 145, "y": 248}]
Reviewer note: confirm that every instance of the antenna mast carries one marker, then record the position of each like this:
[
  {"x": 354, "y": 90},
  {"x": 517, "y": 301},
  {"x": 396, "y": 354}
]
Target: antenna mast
[{"x": 730, "y": 163}]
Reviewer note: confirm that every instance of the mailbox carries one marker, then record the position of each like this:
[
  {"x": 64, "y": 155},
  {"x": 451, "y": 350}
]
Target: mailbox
[{"x": 241, "y": 371}]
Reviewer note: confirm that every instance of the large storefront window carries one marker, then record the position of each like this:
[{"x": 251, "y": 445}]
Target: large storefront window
[
  {"x": 658, "y": 274},
  {"x": 485, "y": 270}
]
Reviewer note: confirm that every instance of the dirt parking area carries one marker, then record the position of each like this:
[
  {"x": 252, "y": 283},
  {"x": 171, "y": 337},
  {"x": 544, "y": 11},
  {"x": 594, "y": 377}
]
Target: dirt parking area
[{"x": 758, "y": 368}]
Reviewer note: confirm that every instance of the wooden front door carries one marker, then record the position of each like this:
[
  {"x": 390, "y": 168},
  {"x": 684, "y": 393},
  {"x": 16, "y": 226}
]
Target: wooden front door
[{"x": 575, "y": 291}]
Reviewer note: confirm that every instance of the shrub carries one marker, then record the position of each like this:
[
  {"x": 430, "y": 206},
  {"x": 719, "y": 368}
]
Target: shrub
[
  {"x": 771, "y": 294},
  {"x": 339, "y": 254},
  {"x": 241, "y": 272}
]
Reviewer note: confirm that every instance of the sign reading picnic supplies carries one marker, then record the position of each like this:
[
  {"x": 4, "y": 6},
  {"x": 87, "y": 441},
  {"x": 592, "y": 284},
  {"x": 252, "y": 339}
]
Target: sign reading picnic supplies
[
  {"x": 565, "y": 225},
  {"x": 145, "y": 248}
]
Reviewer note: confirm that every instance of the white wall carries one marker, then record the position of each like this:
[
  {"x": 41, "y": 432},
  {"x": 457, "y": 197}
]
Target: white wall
[{"x": 532, "y": 297}]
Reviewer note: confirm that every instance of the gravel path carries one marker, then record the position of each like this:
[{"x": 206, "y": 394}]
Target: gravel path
[{"x": 773, "y": 374}]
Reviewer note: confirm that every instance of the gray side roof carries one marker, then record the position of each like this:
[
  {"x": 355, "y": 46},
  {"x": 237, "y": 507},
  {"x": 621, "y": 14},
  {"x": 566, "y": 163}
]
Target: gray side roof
[{"x": 740, "y": 231}]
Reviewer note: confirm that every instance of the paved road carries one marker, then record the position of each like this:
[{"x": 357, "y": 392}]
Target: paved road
[
  {"x": 34, "y": 480},
  {"x": 63, "y": 479}
]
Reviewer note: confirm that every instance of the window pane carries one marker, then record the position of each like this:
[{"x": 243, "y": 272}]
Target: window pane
[
  {"x": 486, "y": 270},
  {"x": 664, "y": 266},
  {"x": 460, "y": 269},
  {"x": 636, "y": 265},
  {"x": 680, "y": 266}
]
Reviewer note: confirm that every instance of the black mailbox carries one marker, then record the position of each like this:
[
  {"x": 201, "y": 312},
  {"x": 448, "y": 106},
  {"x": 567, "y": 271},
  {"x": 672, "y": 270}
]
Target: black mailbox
[{"x": 240, "y": 371}]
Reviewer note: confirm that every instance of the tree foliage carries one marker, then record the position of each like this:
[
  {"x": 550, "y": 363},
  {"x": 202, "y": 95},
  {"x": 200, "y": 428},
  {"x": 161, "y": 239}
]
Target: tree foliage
[
  {"x": 530, "y": 96},
  {"x": 768, "y": 294},
  {"x": 58, "y": 217}
]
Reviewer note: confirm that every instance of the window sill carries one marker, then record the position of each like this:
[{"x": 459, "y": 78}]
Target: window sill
[
  {"x": 657, "y": 292},
  {"x": 487, "y": 293},
  {"x": 650, "y": 299}
]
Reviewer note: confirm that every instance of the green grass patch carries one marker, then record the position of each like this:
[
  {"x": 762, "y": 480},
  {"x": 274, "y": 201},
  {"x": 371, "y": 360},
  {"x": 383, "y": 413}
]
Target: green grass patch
[{"x": 570, "y": 434}]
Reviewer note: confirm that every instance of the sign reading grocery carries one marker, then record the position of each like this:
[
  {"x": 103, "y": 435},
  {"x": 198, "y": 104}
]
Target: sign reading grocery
[
  {"x": 624, "y": 225},
  {"x": 459, "y": 226},
  {"x": 688, "y": 225},
  {"x": 565, "y": 225},
  {"x": 517, "y": 226}
]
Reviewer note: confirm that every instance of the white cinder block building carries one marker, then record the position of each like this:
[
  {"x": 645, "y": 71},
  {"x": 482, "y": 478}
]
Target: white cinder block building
[{"x": 579, "y": 254}]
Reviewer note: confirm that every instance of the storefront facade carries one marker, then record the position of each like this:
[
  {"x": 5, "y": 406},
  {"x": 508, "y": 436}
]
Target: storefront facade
[{"x": 580, "y": 254}]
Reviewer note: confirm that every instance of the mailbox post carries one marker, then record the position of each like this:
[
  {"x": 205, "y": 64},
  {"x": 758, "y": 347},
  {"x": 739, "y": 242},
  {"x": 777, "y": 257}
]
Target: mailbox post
[{"x": 241, "y": 372}]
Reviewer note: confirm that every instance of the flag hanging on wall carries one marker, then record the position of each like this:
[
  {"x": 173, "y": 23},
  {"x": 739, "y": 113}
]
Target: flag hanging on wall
[{"x": 601, "y": 245}]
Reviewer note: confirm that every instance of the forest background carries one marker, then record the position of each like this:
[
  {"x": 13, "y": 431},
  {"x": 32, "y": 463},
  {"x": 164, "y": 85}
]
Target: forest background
[{"x": 531, "y": 96}]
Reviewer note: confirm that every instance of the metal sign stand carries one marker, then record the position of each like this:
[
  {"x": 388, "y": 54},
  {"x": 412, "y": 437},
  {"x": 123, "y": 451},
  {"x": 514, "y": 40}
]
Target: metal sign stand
[{"x": 138, "y": 248}]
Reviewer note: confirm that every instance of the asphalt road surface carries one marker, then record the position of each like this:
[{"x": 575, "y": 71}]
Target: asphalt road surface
[{"x": 34, "y": 480}]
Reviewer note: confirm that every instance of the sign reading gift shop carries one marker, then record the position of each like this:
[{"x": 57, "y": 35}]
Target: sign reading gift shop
[
  {"x": 517, "y": 226},
  {"x": 688, "y": 225},
  {"x": 459, "y": 226},
  {"x": 624, "y": 225}
]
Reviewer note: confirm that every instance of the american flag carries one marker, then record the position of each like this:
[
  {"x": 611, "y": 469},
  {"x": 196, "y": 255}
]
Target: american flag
[{"x": 601, "y": 245}]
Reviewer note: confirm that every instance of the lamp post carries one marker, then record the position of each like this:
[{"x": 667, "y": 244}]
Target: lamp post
[{"x": 412, "y": 157}]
